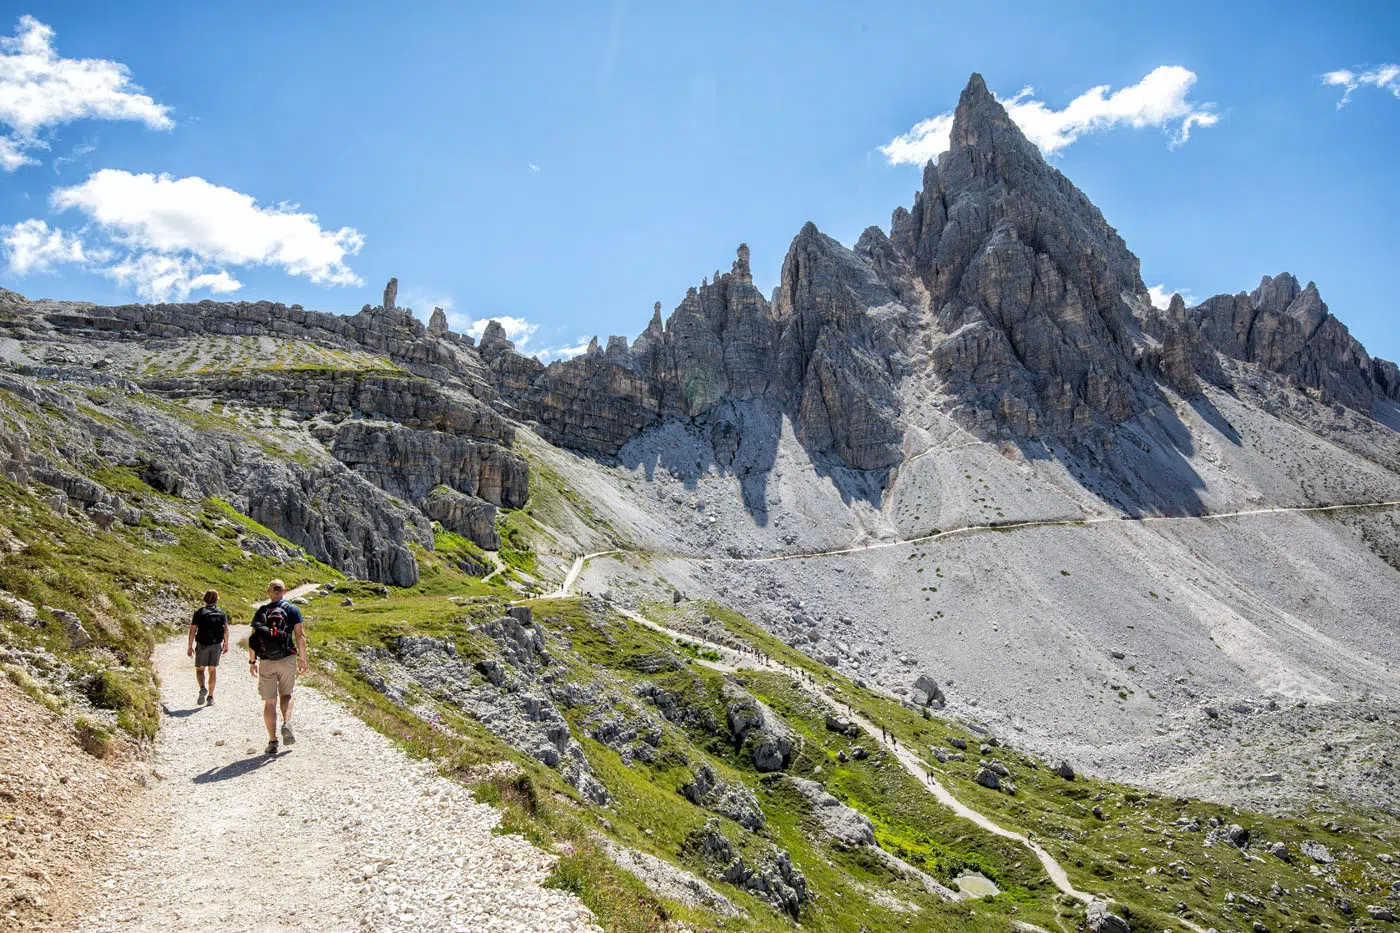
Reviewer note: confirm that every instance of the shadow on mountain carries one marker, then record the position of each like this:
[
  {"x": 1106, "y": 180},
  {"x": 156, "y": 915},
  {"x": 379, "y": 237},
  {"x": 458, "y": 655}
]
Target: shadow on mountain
[
  {"x": 1212, "y": 416},
  {"x": 740, "y": 439}
]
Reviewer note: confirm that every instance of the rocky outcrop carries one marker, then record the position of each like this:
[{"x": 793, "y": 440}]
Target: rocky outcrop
[
  {"x": 752, "y": 726},
  {"x": 774, "y": 879},
  {"x": 727, "y": 798},
  {"x": 468, "y": 516},
  {"x": 437, "y": 324},
  {"x": 1287, "y": 329},
  {"x": 408, "y": 400},
  {"x": 391, "y": 295},
  {"x": 849, "y": 828},
  {"x": 410, "y": 463},
  {"x": 815, "y": 353},
  {"x": 319, "y": 505}
]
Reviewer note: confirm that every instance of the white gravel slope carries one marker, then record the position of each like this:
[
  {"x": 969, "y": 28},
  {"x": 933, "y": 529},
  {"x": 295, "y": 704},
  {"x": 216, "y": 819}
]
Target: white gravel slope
[{"x": 340, "y": 832}]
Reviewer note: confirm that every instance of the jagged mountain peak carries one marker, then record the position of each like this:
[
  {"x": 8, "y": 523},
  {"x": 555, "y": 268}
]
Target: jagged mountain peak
[{"x": 981, "y": 122}]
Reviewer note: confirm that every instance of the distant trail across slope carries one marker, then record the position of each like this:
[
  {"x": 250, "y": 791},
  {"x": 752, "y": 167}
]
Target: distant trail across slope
[
  {"x": 579, "y": 562},
  {"x": 342, "y": 831}
]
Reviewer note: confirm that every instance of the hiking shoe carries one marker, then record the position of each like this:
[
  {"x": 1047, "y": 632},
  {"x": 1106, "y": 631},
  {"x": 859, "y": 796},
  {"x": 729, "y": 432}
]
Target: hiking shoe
[
  {"x": 271, "y": 747},
  {"x": 210, "y": 701},
  {"x": 202, "y": 694},
  {"x": 287, "y": 737}
]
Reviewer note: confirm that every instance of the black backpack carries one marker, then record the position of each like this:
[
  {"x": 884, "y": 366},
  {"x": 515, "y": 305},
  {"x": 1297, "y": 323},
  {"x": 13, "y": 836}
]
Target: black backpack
[
  {"x": 209, "y": 625},
  {"x": 272, "y": 633}
]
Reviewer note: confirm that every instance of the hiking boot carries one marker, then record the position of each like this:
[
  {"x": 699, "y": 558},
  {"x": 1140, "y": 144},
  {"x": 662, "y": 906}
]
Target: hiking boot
[
  {"x": 210, "y": 701},
  {"x": 271, "y": 747},
  {"x": 202, "y": 694},
  {"x": 287, "y": 737}
]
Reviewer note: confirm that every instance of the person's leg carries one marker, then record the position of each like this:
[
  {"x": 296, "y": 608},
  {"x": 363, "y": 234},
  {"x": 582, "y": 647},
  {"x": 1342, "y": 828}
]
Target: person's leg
[
  {"x": 270, "y": 719},
  {"x": 286, "y": 708},
  {"x": 199, "y": 677},
  {"x": 213, "y": 679}
]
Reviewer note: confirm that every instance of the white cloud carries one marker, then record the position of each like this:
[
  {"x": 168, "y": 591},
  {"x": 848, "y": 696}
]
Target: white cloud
[
  {"x": 550, "y": 354},
  {"x": 534, "y": 169},
  {"x": 38, "y": 90},
  {"x": 517, "y": 329},
  {"x": 157, "y": 277},
  {"x": 191, "y": 218},
  {"x": 31, "y": 246},
  {"x": 1160, "y": 99},
  {"x": 1384, "y": 77},
  {"x": 1162, "y": 296}
]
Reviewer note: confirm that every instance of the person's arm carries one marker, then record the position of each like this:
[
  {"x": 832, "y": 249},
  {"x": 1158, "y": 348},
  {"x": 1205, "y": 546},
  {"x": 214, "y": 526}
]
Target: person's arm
[
  {"x": 252, "y": 655},
  {"x": 226, "y": 629},
  {"x": 302, "y": 666},
  {"x": 189, "y": 645}
]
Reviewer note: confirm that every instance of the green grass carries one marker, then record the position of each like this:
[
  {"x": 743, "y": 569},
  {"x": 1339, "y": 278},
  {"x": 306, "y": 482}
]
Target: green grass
[{"x": 1113, "y": 856}]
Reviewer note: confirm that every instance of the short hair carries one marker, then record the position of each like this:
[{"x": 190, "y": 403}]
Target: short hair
[
  {"x": 211, "y": 597},
  {"x": 277, "y": 585}
]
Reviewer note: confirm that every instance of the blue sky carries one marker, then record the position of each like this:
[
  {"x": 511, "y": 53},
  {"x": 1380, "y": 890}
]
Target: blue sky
[{"x": 569, "y": 164}]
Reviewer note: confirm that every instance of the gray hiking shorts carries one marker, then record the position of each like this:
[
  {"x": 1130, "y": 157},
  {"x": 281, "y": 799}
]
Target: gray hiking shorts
[{"x": 208, "y": 655}]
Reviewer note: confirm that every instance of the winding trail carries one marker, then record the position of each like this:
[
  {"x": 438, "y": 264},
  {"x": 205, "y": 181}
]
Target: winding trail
[
  {"x": 341, "y": 831},
  {"x": 916, "y": 767}
]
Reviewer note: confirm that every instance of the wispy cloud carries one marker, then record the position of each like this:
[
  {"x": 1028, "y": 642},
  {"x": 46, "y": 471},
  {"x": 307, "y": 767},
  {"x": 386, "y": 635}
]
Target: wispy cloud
[
  {"x": 1383, "y": 77},
  {"x": 32, "y": 246},
  {"x": 39, "y": 89},
  {"x": 550, "y": 354},
  {"x": 1161, "y": 99},
  {"x": 1162, "y": 296},
  {"x": 534, "y": 169}
]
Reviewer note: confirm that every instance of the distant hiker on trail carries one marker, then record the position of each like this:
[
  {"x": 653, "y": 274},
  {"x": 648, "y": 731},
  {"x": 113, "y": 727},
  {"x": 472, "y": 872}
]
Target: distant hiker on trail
[
  {"x": 276, "y": 654},
  {"x": 208, "y": 643}
]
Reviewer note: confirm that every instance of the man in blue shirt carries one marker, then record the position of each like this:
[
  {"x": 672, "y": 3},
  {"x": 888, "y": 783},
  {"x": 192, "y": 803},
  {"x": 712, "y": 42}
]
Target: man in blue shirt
[{"x": 276, "y": 654}]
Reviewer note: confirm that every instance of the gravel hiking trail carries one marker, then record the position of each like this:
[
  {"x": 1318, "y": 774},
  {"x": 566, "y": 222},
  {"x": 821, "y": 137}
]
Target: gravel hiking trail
[{"x": 341, "y": 831}]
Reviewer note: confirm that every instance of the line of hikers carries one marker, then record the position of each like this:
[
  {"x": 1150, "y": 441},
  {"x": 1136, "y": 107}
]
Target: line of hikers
[{"x": 276, "y": 654}]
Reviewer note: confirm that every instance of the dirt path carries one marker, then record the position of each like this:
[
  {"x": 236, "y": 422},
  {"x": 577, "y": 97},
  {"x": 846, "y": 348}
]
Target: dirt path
[{"x": 342, "y": 831}]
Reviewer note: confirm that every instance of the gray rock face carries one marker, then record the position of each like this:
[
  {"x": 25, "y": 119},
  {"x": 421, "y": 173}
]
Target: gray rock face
[
  {"x": 1287, "y": 329},
  {"x": 391, "y": 295},
  {"x": 814, "y": 353},
  {"x": 437, "y": 324},
  {"x": 1027, "y": 281},
  {"x": 468, "y": 516},
  {"x": 727, "y": 798},
  {"x": 752, "y": 725},
  {"x": 410, "y": 463},
  {"x": 774, "y": 879},
  {"x": 850, "y": 828}
]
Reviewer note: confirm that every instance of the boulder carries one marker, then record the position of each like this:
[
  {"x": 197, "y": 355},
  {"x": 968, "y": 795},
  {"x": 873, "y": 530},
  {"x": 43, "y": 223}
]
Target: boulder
[
  {"x": 988, "y": 778},
  {"x": 1317, "y": 852},
  {"x": 930, "y": 689},
  {"x": 1063, "y": 769},
  {"x": 1099, "y": 919}
]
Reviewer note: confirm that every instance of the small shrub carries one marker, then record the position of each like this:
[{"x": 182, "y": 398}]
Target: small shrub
[{"x": 95, "y": 738}]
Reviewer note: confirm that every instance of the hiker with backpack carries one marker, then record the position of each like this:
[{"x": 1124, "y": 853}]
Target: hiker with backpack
[
  {"x": 208, "y": 643},
  {"x": 276, "y": 654}
]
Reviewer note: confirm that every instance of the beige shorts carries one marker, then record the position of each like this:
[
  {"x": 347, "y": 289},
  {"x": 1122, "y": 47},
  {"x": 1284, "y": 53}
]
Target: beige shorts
[{"x": 277, "y": 678}]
